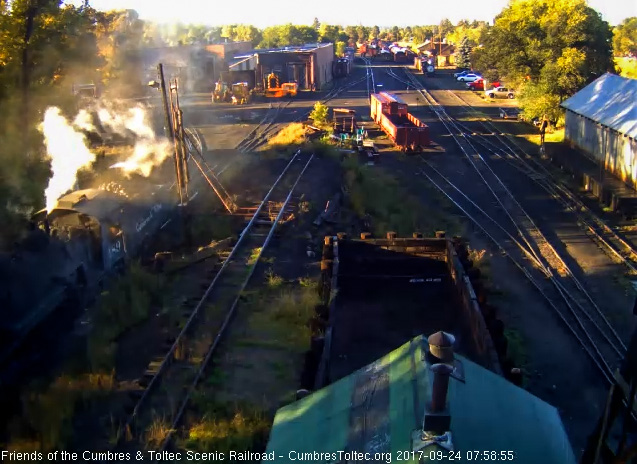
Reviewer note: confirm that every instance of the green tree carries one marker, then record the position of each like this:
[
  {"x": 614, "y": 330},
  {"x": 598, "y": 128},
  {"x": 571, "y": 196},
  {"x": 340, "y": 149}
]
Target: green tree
[
  {"x": 320, "y": 114},
  {"x": 407, "y": 33},
  {"x": 287, "y": 34},
  {"x": 362, "y": 34},
  {"x": 464, "y": 54},
  {"x": 247, "y": 33},
  {"x": 339, "y": 48},
  {"x": 446, "y": 27},
  {"x": 625, "y": 37},
  {"x": 375, "y": 31},
  {"x": 555, "y": 46},
  {"x": 352, "y": 34},
  {"x": 329, "y": 33},
  {"x": 43, "y": 48},
  {"x": 316, "y": 24},
  {"x": 395, "y": 33}
]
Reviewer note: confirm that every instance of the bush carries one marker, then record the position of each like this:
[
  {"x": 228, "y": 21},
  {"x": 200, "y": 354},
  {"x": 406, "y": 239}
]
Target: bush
[{"x": 320, "y": 114}]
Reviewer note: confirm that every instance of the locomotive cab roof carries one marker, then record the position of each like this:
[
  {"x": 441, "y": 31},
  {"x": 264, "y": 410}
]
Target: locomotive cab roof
[{"x": 96, "y": 203}]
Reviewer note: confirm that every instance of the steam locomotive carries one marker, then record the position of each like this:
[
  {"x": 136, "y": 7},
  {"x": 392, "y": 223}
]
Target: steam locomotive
[{"x": 69, "y": 250}]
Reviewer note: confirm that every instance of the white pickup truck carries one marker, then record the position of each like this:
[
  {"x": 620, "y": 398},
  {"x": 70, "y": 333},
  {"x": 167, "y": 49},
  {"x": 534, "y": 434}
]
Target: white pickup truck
[{"x": 500, "y": 92}]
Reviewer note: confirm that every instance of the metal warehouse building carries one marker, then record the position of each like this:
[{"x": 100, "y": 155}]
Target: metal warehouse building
[
  {"x": 310, "y": 65},
  {"x": 601, "y": 120}
]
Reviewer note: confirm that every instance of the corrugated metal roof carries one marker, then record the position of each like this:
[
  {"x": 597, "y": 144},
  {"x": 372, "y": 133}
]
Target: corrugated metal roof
[
  {"x": 610, "y": 100},
  {"x": 377, "y": 408}
]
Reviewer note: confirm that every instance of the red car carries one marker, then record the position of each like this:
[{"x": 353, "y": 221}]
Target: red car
[{"x": 479, "y": 84}]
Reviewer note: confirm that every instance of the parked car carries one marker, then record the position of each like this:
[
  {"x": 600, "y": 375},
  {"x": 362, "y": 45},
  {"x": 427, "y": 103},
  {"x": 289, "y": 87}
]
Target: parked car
[
  {"x": 479, "y": 84},
  {"x": 458, "y": 74},
  {"x": 500, "y": 92},
  {"x": 469, "y": 77}
]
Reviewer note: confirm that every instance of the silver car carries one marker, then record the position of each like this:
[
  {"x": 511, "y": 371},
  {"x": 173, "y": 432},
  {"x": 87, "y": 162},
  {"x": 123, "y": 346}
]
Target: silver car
[
  {"x": 469, "y": 77},
  {"x": 500, "y": 92}
]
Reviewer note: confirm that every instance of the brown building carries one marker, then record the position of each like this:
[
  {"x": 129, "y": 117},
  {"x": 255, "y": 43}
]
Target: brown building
[
  {"x": 310, "y": 65},
  {"x": 229, "y": 50},
  {"x": 196, "y": 66},
  {"x": 444, "y": 52}
]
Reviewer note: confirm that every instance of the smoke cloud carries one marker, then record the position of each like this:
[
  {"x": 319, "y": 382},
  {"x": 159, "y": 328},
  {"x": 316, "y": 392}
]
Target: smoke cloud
[{"x": 68, "y": 150}]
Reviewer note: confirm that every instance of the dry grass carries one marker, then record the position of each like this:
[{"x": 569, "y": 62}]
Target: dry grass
[
  {"x": 254, "y": 256},
  {"x": 273, "y": 280},
  {"x": 48, "y": 413},
  {"x": 244, "y": 429},
  {"x": 157, "y": 432},
  {"x": 292, "y": 134},
  {"x": 557, "y": 136},
  {"x": 480, "y": 261}
]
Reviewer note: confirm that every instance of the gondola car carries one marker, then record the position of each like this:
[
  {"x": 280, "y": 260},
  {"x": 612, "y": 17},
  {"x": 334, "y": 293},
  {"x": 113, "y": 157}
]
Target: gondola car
[{"x": 392, "y": 115}]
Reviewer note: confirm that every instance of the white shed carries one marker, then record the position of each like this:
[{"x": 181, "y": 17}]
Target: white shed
[{"x": 601, "y": 120}]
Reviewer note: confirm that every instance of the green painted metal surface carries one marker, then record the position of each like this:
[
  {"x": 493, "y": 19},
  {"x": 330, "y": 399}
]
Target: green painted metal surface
[{"x": 376, "y": 409}]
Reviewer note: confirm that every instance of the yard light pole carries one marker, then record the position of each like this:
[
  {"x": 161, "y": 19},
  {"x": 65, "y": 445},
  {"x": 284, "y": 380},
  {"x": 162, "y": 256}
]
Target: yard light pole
[
  {"x": 161, "y": 85},
  {"x": 168, "y": 126}
]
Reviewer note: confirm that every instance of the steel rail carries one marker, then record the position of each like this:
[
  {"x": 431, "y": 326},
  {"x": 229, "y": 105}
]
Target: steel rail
[
  {"x": 442, "y": 114},
  {"x": 579, "y": 207},
  {"x": 167, "y": 358},
  {"x": 545, "y": 271},
  {"x": 604, "y": 369},
  {"x": 578, "y": 284},
  {"x": 560, "y": 288},
  {"x": 229, "y": 315}
]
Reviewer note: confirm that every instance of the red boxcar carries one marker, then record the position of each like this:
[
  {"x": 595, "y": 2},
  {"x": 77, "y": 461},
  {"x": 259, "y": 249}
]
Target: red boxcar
[{"x": 404, "y": 129}]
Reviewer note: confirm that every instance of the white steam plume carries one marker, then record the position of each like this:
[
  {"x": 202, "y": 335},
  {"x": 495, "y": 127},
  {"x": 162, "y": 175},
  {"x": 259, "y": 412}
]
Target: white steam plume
[
  {"x": 146, "y": 155},
  {"x": 149, "y": 151},
  {"x": 68, "y": 152},
  {"x": 84, "y": 121}
]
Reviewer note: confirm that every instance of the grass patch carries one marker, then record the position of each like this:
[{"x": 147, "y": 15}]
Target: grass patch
[
  {"x": 254, "y": 256},
  {"x": 127, "y": 303},
  {"x": 480, "y": 261},
  {"x": 273, "y": 280},
  {"x": 207, "y": 227},
  {"x": 380, "y": 199},
  {"x": 280, "y": 317},
  {"x": 556, "y": 136},
  {"x": 516, "y": 347},
  {"x": 225, "y": 428},
  {"x": 292, "y": 134},
  {"x": 47, "y": 419},
  {"x": 49, "y": 408},
  {"x": 157, "y": 432}
]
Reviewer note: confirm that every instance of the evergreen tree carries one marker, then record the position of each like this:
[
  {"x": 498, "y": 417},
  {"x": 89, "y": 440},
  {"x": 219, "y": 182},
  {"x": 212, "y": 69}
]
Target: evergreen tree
[
  {"x": 464, "y": 54},
  {"x": 316, "y": 24}
]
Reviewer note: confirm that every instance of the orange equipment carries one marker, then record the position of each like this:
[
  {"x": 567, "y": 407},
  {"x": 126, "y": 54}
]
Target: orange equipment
[{"x": 275, "y": 89}]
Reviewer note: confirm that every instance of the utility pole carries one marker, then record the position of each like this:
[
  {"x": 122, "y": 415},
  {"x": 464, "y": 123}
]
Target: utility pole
[
  {"x": 164, "y": 96},
  {"x": 440, "y": 42},
  {"x": 174, "y": 132},
  {"x": 181, "y": 155}
]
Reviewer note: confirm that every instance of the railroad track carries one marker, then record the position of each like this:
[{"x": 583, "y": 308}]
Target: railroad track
[
  {"x": 607, "y": 238},
  {"x": 165, "y": 388},
  {"x": 524, "y": 243},
  {"x": 260, "y": 134},
  {"x": 371, "y": 82}
]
